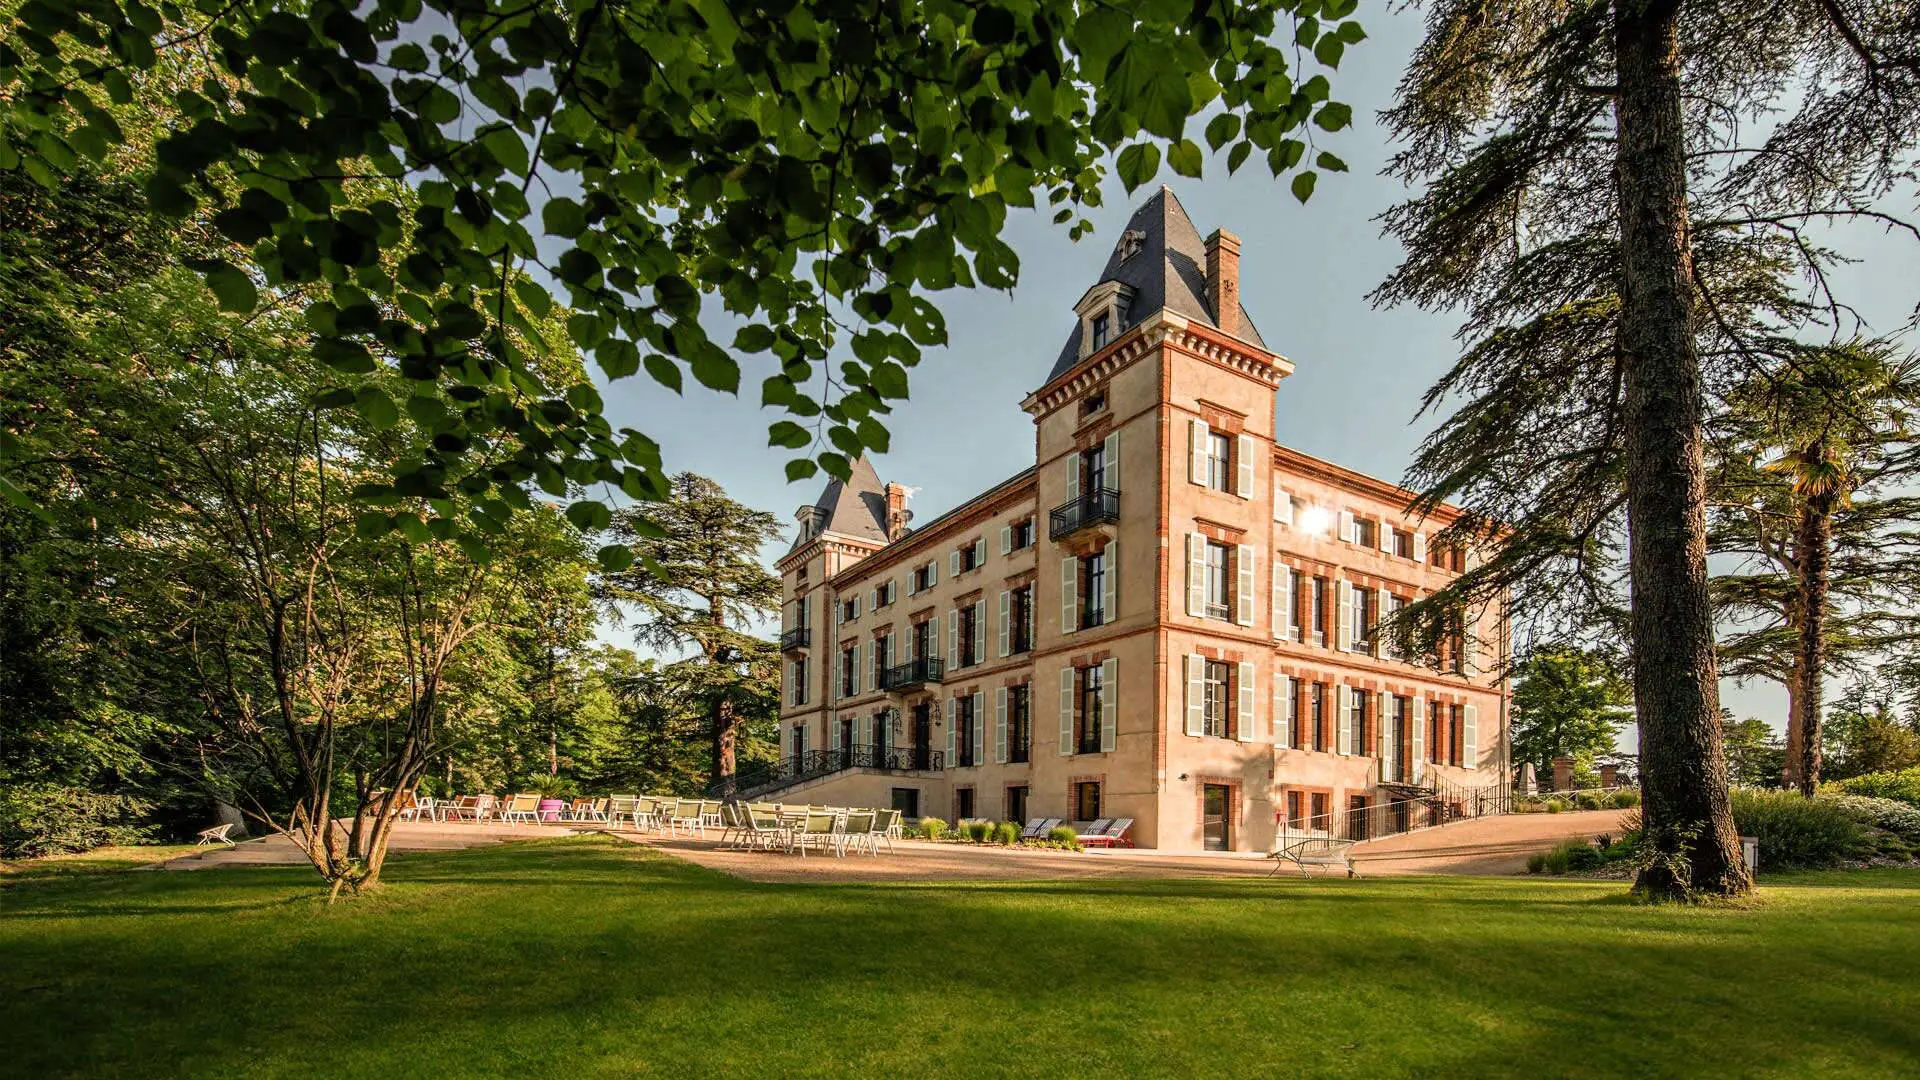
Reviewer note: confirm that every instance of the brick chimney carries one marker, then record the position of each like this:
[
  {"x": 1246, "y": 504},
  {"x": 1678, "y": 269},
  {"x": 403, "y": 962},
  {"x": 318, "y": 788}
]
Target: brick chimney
[
  {"x": 897, "y": 513},
  {"x": 1223, "y": 280}
]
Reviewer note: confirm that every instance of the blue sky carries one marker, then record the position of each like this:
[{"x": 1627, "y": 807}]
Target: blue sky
[{"x": 1305, "y": 272}]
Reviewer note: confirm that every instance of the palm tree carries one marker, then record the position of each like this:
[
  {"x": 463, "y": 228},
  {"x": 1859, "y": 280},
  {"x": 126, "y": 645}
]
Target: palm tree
[{"x": 1807, "y": 450}]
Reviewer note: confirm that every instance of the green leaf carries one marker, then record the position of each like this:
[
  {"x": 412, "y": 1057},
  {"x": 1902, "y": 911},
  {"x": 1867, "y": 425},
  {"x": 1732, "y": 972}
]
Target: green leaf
[
  {"x": 1137, "y": 164},
  {"x": 614, "y": 558},
  {"x": 232, "y": 287},
  {"x": 588, "y": 515},
  {"x": 1237, "y": 156},
  {"x": 1222, "y": 129},
  {"x": 1144, "y": 85},
  {"x": 1098, "y": 36},
  {"x": 372, "y": 525},
  {"x": 1329, "y": 162},
  {"x": 788, "y": 434},
  {"x": 1333, "y": 116},
  {"x": 800, "y": 469},
  {"x": 1329, "y": 51},
  {"x": 563, "y": 217},
  {"x": 1303, "y": 185},
  {"x": 379, "y": 409},
  {"x": 1184, "y": 157},
  {"x": 717, "y": 371},
  {"x": 665, "y": 372}
]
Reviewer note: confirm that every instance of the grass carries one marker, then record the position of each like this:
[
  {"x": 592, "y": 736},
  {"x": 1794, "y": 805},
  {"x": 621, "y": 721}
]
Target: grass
[
  {"x": 582, "y": 958},
  {"x": 98, "y": 861}
]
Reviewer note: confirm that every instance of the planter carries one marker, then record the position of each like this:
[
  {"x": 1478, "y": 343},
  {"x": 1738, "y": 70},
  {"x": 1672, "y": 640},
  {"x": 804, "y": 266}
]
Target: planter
[{"x": 551, "y": 809}]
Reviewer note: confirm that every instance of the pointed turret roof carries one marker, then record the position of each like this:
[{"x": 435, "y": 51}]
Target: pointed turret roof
[
  {"x": 855, "y": 507},
  {"x": 1162, "y": 258}
]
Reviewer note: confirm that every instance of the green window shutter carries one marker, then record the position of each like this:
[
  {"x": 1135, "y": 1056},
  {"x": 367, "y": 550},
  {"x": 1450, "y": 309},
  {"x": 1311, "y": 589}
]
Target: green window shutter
[
  {"x": 1196, "y": 694},
  {"x": 1110, "y": 586},
  {"x": 1249, "y": 719},
  {"x": 1244, "y": 570},
  {"x": 1000, "y": 725},
  {"x": 1069, "y": 595},
  {"x": 1470, "y": 737},
  {"x": 1109, "y": 710},
  {"x": 1006, "y": 622},
  {"x": 1110, "y": 451},
  {"x": 952, "y": 724},
  {"x": 1066, "y": 710}
]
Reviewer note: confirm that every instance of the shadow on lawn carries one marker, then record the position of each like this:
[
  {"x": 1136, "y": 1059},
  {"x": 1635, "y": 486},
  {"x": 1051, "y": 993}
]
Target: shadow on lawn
[{"x": 551, "y": 956}]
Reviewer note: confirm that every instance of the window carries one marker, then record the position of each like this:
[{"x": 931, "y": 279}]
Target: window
[
  {"x": 1216, "y": 707},
  {"x": 1403, "y": 543},
  {"x": 1365, "y": 532},
  {"x": 1093, "y": 589},
  {"x": 882, "y": 659},
  {"x": 1363, "y": 618},
  {"x": 1020, "y": 629},
  {"x": 1388, "y": 646},
  {"x": 1219, "y": 461},
  {"x": 971, "y": 556},
  {"x": 969, "y": 637},
  {"x": 1322, "y": 811},
  {"x": 1019, "y": 724},
  {"x": 850, "y": 609},
  {"x": 924, "y": 638},
  {"x": 1402, "y": 734},
  {"x": 1020, "y": 535},
  {"x": 797, "y": 682},
  {"x": 887, "y": 592},
  {"x": 1436, "y": 733},
  {"x": 923, "y": 578},
  {"x": 963, "y": 747},
  {"x": 1219, "y": 585},
  {"x": 1086, "y": 801},
  {"x": 1297, "y": 593},
  {"x": 1321, "y": 612},
  {"x": 907, "y": 801},
  {"x": 1453, "y": 733},
  {"x": 1292, "y": 707},
  {"x": 1093, "y": 471},
  {"x": 1102, "y": 330},
  {"x": 1093, "y": 402},
  {"x": 1318, "y": 716},
  {"x": 962, "y": 803},
  {"x": 1357, "y": 719},
  {"x": 849, "y": 670},
  {"x": 1087, "y": 723},
  {"x": 1016, "y": 804},
  {"x": 1296, "y": 810},
  {"x": 799, "y": 740}
]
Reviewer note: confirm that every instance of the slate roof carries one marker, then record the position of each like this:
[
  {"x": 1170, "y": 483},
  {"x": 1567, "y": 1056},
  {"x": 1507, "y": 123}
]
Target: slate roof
[
  {"x": 856, "y": 507},
  {"x": 1169, "y": 270}
]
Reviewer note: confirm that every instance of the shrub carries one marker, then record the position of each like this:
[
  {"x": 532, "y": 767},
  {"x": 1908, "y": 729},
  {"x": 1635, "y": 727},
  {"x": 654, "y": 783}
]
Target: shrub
[
  {"x": 1575, "y": 855},
  {"x": 1590, "y": 800},
  {"x": 1554, "y": 806},
  {"x": 1063, "y": 834},
  {"x": 980, "y": 831},
  {"x": 1891, "y": 815},
  {"x": 1902, "y": 786},
  {"x": 932, "y": 828},
  {"x": 47, "y": 819},
  {"x": 1625, "y": 799},
  {"x": 1796, "y": 832},
  {"x": 1006, "y": 833}
]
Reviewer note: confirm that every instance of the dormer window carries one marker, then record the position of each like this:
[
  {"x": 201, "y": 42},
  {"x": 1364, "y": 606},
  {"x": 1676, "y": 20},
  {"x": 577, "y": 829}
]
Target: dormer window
[
  {"x": 1131, "y": 242},
  {"x": 1103, "y": 316}
]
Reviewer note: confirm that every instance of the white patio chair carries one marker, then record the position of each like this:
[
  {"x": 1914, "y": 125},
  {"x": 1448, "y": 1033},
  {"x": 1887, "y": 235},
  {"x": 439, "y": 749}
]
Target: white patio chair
[{"x": 216, "y": 835}]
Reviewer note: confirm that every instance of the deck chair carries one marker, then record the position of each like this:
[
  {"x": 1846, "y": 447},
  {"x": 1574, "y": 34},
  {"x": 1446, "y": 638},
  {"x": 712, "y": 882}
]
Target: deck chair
[
  {"x": 686, "y": 814},
  {"x": 1114, "y": 835},
  {"x": 216, "y": 835},
  {"x": 820, "y": 831},
  {"x": 857, "y": 833},
  {"x": 524, "y": 807},
  {"x": 1314, "y": 851}
]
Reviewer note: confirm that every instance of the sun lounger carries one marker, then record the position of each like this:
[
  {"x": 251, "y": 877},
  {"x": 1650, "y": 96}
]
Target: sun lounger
[
  {"x": 1315, "y": 851},
  {"x": 1114, "y": 835}
]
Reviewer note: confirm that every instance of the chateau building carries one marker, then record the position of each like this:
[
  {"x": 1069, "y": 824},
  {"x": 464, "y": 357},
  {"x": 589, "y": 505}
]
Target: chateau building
[{"x": 1168, "y": 616}]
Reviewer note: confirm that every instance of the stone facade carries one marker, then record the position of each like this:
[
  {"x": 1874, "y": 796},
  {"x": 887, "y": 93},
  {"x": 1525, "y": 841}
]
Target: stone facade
[{"x": 1160, "y": 606}]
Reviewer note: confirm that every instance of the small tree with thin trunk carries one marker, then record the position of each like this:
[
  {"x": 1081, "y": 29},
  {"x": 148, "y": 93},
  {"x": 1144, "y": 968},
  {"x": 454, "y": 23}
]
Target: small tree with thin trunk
[{"x": 698, "y": 584}]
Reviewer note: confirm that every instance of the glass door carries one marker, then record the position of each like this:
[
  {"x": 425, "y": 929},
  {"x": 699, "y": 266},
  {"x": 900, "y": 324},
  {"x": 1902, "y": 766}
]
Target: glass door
[{"x": 1214, "y": 827}]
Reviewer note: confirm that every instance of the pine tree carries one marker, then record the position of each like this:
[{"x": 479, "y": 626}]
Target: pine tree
[
  {"x": 1619, "y": 255},
  {"x": 1812, "y": 465},
  {"x": 699, "y": 585}
]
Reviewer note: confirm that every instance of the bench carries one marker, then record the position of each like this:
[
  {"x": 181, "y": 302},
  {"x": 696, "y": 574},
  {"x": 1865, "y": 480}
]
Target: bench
[{"x": 1315, "y": 851}]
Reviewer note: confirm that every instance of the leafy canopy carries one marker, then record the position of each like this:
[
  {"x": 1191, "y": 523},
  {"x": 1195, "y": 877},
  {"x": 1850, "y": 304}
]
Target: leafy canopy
[{"x": 814, "y": 171}]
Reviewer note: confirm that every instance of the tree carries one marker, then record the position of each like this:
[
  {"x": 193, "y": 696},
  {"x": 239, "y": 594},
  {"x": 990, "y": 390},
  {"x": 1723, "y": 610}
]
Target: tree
[
  {"x": 1755, "y": 755},
  {"x": 1567, "y": 702},
  {"x": 1866, "y": 734},
  {"x": 1809, "y": 472},
  {"x": 814, "y": 170},
  {"x": 1605, "y": 243},
  {"x": 699, "y": 584},
  {"x": 663, "y": 737}
]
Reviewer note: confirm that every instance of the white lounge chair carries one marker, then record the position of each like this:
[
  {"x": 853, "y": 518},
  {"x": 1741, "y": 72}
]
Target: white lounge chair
[{"x": 216, "y": 835}]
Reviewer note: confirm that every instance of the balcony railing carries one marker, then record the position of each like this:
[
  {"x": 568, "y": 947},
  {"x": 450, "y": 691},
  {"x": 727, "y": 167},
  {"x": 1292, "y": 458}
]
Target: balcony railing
[
  {"x": 1092, "y": 508},
  {"x": 913, "y": 673},
  {"x": 796, "y": 639}
]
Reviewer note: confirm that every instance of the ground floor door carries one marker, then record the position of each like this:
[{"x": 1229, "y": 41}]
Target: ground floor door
[
  {"x": 1017, "y": 804},
  {"x": 1357, "y": 818},
  {"x": 907, "y": 801},
  {"x": 846, "y": 740},
  {"x": 1215, "y": 829}
]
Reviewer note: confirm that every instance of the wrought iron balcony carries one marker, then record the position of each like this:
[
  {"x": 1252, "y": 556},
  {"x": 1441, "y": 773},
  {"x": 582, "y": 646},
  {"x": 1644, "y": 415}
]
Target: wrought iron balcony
[
  {"x": 913, "y": 673},
  {"x": 762, "y": 777},
  {"x": 796, "y": 639},
  {"x": 1092, "y": 508}
]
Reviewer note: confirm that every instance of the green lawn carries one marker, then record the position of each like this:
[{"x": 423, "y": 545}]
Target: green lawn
[{"x": 583, "y": 958}]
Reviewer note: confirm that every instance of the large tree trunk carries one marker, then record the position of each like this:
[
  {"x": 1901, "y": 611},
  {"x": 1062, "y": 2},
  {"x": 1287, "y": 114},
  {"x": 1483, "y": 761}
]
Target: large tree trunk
[
  {"x": 1683, "y": 775},
  {"x": 1790, "y": 769},
  {"x": 1810, "y": 661}
]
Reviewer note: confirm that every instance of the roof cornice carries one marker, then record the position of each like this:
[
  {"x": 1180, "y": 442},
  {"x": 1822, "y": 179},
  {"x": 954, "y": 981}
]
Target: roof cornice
[
  {"x": 1163, "y": 327},
  {"x": 825, "y": 542}
]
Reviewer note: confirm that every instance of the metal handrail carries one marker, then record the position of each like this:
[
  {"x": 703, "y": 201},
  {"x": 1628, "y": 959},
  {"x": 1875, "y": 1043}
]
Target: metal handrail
[
  {"x": 926, "y": 669},
  {"x": 797, "y": 638},
  {"x": 1091, "y": 508},
  {"x": 810, "y": 764}
]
